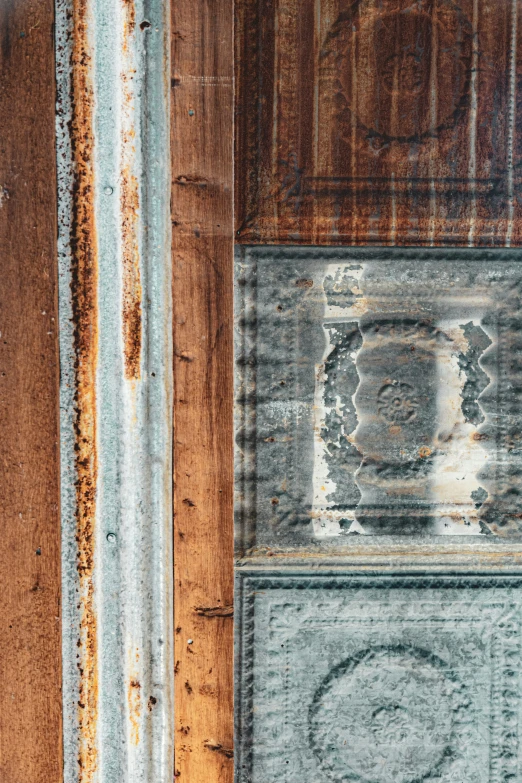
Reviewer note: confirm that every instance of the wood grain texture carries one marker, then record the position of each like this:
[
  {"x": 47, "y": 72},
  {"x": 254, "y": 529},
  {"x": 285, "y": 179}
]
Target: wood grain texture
[
  {"x": 379, "y": 122},
  {"x": 30, "y": 647},
  {"x": 202, "y": 117}
]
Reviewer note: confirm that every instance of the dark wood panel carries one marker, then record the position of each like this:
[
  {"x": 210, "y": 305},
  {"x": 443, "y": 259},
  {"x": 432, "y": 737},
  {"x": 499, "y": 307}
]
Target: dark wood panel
[
  {"x": 30, "y": 652},
  {"x": 202, "y": 116},
  {"x": 379, "y": 122}
]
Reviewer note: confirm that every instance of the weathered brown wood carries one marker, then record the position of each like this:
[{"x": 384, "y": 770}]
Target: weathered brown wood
[
  {"x": 202, "y": 116},
  {"x": 379, "y": 122},
  {"x": 30, "y": 652}
]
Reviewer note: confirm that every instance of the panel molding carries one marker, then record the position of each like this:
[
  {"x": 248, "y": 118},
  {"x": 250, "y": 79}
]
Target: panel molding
[
  {"x": 444, "y": 618},
  {"x": 349, "y": 133},
  {"x": 291, "y": 471}
]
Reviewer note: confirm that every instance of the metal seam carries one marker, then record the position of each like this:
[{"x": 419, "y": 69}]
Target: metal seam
[{"x": 113, "y": 89}]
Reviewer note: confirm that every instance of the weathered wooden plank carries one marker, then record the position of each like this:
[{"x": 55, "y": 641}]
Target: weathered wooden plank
[
  {"x": 30, "y": 652},
  {"x": 202, "y": 115},
  {"x": 361, "y": 121}
]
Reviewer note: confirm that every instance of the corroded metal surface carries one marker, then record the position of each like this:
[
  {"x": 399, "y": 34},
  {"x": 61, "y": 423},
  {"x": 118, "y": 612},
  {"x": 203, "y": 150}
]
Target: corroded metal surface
[
  {"x": 378, "y": 391},
  {"x": 378, "y": 395},
  {"x": 379, "y": 121},
  {"x": 112, "y": 148},
  {"x": 378, "y": 507}
]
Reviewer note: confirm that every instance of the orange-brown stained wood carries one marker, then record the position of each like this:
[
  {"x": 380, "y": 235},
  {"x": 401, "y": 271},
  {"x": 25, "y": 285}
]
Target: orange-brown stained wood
[
  {"x": 202, "y": 111},
  {"x": 379, "y": 122},
  {"x": 85, "y": 305},
  {"x": 30, "y": 646}
]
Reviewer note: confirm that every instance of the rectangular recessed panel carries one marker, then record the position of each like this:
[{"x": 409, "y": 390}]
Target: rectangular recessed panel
[
  {"x": 379, "y": 393},
  {"x": 384, "y": 679},
  {"x": 379, "y": 121}
]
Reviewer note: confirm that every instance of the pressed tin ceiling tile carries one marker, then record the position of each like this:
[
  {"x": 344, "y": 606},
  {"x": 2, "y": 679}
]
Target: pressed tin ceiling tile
[
  {"x": 387, "y": 679},
  {"x": 379, "y": 121},
  {"x": 379, "y": 393}
]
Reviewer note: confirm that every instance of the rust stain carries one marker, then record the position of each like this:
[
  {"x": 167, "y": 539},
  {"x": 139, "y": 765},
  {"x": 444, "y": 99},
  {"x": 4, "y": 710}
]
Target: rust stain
[
  {"x": 85, "y": 309},
  {"x": 132, "y": 317},
  {"x": 134, "y": 701},
  {"x": 130, "y": 203},
  {"x": 129, "y": 21}
]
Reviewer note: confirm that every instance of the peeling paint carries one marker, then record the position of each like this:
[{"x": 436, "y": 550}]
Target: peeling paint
[
  {"x": 448, "y": 467},
  {"x": 383, "y": 400}
]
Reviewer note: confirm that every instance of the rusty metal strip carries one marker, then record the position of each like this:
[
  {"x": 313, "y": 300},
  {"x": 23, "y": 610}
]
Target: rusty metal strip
[{"x": 114, "y": 242}]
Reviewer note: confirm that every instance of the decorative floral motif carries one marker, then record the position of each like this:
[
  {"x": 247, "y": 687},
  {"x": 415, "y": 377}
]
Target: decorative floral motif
[
  {"x": 397, "y": 403},
  {"x": 403, "y": 74},
  {"x": 390, "y": 723},
  {"x": 391, "y": 101},
  {"x": 385, "y": 716}
]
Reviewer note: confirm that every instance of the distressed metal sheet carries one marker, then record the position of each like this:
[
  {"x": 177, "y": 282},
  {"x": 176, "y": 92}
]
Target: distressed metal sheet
[
  {"x": 378, "y": 400},
  {"x": 379, "y": 121},
  {"x": 115, "y": 342},
  {"x": 388, "y": 679},
  {"x": 378, "y": 391}
]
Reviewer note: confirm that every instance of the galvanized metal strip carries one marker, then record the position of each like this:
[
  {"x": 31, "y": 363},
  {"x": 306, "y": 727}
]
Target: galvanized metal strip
[{"x": 115, "y": 341}]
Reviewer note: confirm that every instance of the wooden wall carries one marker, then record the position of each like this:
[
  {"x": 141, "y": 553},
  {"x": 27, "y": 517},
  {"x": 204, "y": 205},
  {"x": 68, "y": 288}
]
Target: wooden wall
[
  {"x": 30, "y": 651},
  {"x": 202, "y": 113}
]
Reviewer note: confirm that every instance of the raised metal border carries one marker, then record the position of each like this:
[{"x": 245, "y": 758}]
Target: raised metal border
[
  {"x": 431, "y": 552},
  {"x": 113, "y": 87},
  {"x": 254, "y": 581}
]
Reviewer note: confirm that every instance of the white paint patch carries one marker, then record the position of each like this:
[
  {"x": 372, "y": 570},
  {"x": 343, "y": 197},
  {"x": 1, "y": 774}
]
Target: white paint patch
[
  {"x": 323, "y": 486},
  {"x": 460, "y": 457},
  {"x": 357, "y": 307},
  {"x": 325, "y": 520}
]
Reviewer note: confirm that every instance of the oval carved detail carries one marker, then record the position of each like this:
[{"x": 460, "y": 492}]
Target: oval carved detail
[
  {"x": 385, "y": 716},
  {"x": 401, "y": 72}
]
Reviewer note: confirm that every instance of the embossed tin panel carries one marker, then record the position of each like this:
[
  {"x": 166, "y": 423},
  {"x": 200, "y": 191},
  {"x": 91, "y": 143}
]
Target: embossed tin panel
[
  {"x": 378, "y": 394},
  {"x": 378, "y": 391},
  {"x": 379, "y": 121},
  {"x": 387, "y": 679}
]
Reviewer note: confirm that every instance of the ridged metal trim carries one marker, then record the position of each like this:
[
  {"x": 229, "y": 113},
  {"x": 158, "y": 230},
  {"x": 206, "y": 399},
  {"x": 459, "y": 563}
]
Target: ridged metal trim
[{"x": 113, "y": 86}]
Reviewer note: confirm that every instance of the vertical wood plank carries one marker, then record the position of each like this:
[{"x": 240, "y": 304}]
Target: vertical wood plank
[
  {"x": 30, "y": 650},
  {"x": 202, "y": 137}
]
